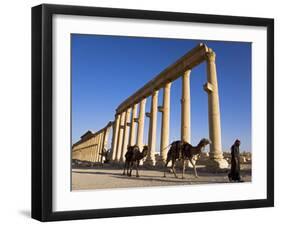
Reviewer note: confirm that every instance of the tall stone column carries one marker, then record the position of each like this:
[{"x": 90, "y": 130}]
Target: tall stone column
[
  {"x": 100, "y": 147},
  {"x": 165, "y": 129},
  {"x": 92, "y": 149},
  {"x": 80, "y": 154},
  {"x": 115, "y": 137},
  {"x": 185, "y": 107},
  {"x": 150, "y": 160},
  {"x": 120, "y": 136},
  {"x": 126, "y": 134},
  {"x": 104, "y": 142},
  {"x": 141, "y": 124},
  {"x": 105, "y": 138},
  {"x": 132, "y": 136},
  {"x": 211, "y": 87},
  {"x": 97, "y": 148},
  {"x": 87, "y": 154}
]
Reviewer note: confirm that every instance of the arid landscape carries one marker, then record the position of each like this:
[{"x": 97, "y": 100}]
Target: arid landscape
[{"x": 104, "y": 176}]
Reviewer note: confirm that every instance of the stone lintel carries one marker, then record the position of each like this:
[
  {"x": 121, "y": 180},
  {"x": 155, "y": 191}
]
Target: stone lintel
[{"x": 191, "y": 59}]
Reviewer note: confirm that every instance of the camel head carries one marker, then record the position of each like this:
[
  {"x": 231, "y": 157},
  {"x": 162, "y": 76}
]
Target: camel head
[
  {"x": 145, "y": 150},
  {"x": 204, "y": 142}
]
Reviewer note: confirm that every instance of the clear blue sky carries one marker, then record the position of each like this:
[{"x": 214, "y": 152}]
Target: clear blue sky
[{"x": 108, "y": 69}]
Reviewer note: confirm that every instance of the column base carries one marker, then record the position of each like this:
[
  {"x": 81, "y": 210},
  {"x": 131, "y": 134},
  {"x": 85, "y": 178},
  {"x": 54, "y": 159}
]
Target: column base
[
  {"x": 160, "y": 163},
  {"x": 179, "y": 164},
  {"x": 217, "y": 164},
  {"x": 149, "y": 163},
  {"x": 117, "y": 164}
]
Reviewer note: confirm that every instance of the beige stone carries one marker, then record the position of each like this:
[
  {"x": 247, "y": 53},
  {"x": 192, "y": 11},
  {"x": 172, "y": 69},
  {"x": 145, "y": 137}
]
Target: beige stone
[
  {"x": 191, "y": 59},
  {"x": 126, "y": 134},
  {"x": 165, "y": 129},
  {"x": 141, "y": 124},
  {"x": 100, "y": 146},
  {"x": 214, "y": 113},
  {"x": 120, "y": 137},
  {"x": 185, "y": 107},
  {"x": 115, "y": 136},
  {"x": 132, "y": 136},
  {"x": 125, "y": 118},
  {"x": 150, "y": 160}
]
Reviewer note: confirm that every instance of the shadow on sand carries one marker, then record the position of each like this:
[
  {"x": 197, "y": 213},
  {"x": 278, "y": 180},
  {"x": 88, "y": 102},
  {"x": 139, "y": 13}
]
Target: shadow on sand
[{"x": 170, "y": 178}]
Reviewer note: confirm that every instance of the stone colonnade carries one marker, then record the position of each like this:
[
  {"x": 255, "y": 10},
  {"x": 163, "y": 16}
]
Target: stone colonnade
[
  {"x": 91, "y": 145},
  {"x": 126, "y": 118}
]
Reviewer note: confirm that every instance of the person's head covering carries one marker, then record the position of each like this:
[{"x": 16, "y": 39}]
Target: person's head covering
[{"x": 237, "y": 142}]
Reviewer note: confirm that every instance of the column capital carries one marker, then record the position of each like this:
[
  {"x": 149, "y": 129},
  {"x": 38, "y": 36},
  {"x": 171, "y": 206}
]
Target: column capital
[
  {"x": 187, "y": 72},
  {"x": 128, "y": 111},
  {"x": 211, "y": 55},
  {"x": 155, "y": 92},
  {"x": 143, "y": 101},
  {"x": 168, "y": 85}
]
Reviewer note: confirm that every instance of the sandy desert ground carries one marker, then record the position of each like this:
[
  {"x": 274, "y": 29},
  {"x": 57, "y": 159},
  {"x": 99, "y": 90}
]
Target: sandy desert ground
[{"x": 109, "y": 177}]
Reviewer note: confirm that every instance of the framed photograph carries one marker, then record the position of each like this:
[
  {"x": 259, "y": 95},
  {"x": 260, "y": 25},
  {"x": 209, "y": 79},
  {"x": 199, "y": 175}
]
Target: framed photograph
[{"x": 145, "y": 112}]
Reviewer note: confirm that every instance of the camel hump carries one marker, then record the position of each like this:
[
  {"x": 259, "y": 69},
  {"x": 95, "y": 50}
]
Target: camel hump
[
  {"x": 176, "y": 143},
  {"x": 187, "y": 145}
]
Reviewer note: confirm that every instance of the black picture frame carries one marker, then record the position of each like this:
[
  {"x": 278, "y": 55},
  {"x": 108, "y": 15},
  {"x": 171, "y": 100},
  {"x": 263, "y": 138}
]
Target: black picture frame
[{"x": 42, "y": 111}]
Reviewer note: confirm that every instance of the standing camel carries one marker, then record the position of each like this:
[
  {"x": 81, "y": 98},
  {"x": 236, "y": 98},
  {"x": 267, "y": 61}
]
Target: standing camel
[
  {"x": 133, "y": 157},
  {"x": 183, "y": 151}
]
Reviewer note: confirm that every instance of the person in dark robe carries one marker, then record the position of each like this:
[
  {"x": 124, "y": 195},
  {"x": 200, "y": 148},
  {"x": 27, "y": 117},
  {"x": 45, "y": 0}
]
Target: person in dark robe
[
  {"x": 106, "y": 155},
  {"x": 234, "y": 174}
]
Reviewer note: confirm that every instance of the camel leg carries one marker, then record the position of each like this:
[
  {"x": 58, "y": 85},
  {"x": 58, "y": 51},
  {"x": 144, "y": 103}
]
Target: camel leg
[
  {"x": 131, "y": 168},
  {"x": 194, "y": 168},
  {"x": 166, "y": 166},
  {"x": 125, "y": 166},
  {"x": 173, "y": 168},
  {"x": 128, "y": 168},
  {"x": 137, "y": 169},
  {"x": 183, "y": 168}
]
